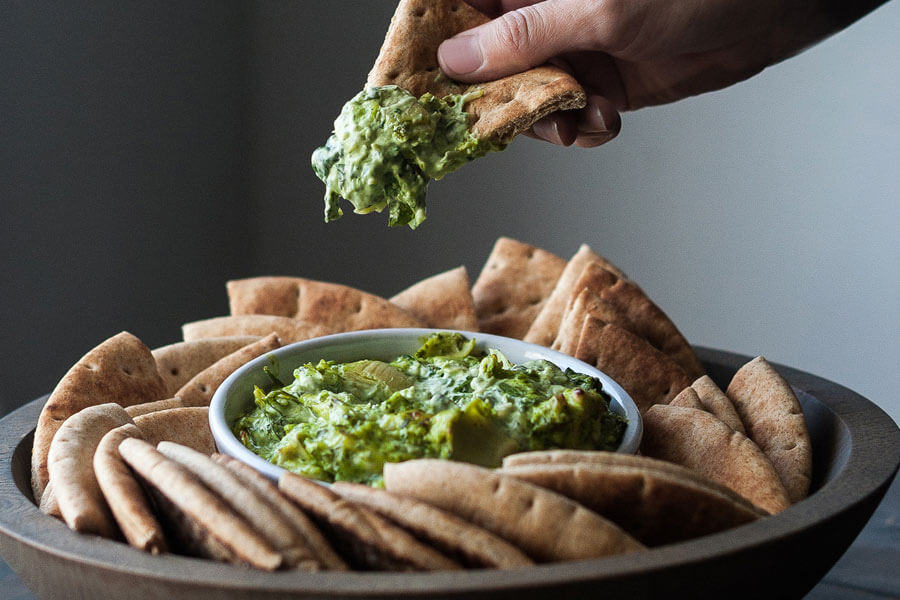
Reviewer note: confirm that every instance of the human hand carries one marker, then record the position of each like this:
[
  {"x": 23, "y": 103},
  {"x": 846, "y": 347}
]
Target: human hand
[{"x": 629, "y": 54}]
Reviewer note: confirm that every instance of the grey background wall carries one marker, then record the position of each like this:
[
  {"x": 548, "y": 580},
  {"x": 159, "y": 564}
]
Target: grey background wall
[{"x": 150, "y": 151}]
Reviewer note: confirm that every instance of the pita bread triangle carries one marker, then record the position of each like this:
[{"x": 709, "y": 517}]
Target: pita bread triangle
[
  {"x": 513, "y": 285},
  {"x": 701, "y": 442},
  {"x": 121, "y": 369},
  {"x": 509, "y": 106},
  {"x": 443, "y": 300},
  {"x": 649, "y": 376},
  {"x": 774, "y": 420},
  {"x": 328, "y": 305},
  {"x": 546, "y": 325}
]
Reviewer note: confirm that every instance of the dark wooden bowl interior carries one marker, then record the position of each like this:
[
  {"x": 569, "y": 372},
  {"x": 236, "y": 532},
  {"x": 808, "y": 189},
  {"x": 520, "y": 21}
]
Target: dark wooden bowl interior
[{"x": 856, "y": 451}]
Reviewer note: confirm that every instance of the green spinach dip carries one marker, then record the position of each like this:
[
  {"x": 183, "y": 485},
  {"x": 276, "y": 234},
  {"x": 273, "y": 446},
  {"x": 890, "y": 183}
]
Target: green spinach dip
[
  {"x": 387, "y": 145},
  {"x": 343, "y": 421}
]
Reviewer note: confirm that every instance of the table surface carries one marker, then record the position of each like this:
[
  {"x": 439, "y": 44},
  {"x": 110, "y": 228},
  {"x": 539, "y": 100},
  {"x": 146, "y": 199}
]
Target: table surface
[{"x": 867, "y": 571}]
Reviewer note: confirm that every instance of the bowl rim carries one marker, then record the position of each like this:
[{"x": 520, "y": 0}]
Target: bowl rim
[
  {"x": 227, "y": 443},
  {"x": 870, "y": 466}
]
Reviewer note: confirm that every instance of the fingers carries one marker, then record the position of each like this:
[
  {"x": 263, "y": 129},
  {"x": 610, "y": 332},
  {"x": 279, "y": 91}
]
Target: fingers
[
  {"x": 597, "y": 123},
  {"x": 515, "y": 41}
]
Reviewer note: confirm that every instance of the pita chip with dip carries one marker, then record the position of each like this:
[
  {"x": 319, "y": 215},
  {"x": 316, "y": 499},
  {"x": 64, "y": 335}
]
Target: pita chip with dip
[{"x": 412, "y": 124}]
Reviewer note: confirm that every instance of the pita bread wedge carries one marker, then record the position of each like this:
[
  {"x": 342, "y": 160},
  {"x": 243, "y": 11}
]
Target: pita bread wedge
[
  {"x": 456, "y": 537},
  {"x": 649, "y": 376},
  {"x": 289, "y": 330},
  {"x": 48, "y": 504},
  {"x": 443, "y": 301},
  {"x": 369, "y": 540},
  {"x": 70, "y": 465},
  {"x": 513, "y": 285},
  {"x": 330, "y": 305},
  {"x": 180, "y": 361},
  {"x": 247, "y": 502},
  {"x": 545, "y": 525},
  {"x": 200, "y": 389},
  {"x": 655, "y": 506},
  {"x": 188, "y": 426},
  {"x": 137, "y": 410},
  {"x": 687, "y": 398},
  {"x": 715, "y": 401},
  {"x": 298, "y": 519},
  {"x": 120, "y": 369},
  {"x": 774, "y": 420},
  {"x": 130, "y": 505},
  {"x": 508, "y": 106},
  {"x": 701, "y": 442},
  {"x": 198, "y": 519},
  {"x": 646, "y": 319},
  {"x": 587, "y": 303},
  {"x": 546, "y": 325}
]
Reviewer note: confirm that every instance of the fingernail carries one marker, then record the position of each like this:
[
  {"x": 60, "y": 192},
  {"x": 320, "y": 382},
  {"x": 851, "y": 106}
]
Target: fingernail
[
  {"x": 595, "y": 122},
  {"x": 548, "y": 130},
  {"x": 461, "y": 55}
]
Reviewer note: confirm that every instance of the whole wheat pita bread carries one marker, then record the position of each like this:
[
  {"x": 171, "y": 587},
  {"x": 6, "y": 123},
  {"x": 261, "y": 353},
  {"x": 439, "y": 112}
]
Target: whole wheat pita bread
[
  {"x": 289, "y": 330},
  {"x": 649, "y": 376},
  {"x": 586, "y": 303},
  {"x": 701, "y": 442},
  {"x": 774, "y": 420},
  {"x": 248, "y": 503},
  {"x": 130, "y": 505},
  {"x": 70, "y": 465},
  {"x": 370, "y": 540},
  {"x": 545, "y": 525},
  {"x": 715, "y": 401},
  {"x": 546, "y": 325},
  {"x": 474, "y": 546},
  {"x": 655, "y": 506},
  {"x": 200, "y": 389},
  {"x": 513, "y": 285},
  {"x": 188, "y": 426},
  {"x": 508, "y": 106},
  {"x": 330, "y": 305},
  {"x": 646, "y": 319},
  {"x": 120, "y": 369},
  {"x": 443, "y": 301},
  {"x": 297, "y": 519},
  {"x": 688, "y": 398},
  {"x": 179, "y": 362},
  {"x": 137, "y": 410},
  {"x": 48, "y": 504},
  {"x": 198, "y": 518}
]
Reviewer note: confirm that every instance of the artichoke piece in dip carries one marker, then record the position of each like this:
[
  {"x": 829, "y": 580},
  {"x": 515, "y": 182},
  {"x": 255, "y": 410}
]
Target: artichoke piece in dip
[
  {"x": 343, "y": 421},
  {"x": 387, "y": 145}
]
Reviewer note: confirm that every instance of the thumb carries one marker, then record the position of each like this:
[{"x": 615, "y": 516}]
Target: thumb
[{"x": 515, "y": 41}]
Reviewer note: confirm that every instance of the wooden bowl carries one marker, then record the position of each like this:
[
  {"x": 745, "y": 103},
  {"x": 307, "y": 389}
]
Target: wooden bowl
[{"x": 856, "y": 452}]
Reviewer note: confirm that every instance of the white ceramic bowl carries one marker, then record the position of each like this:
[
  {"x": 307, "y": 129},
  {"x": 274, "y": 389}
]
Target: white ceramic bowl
[{"x": 235, "y": 396}]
